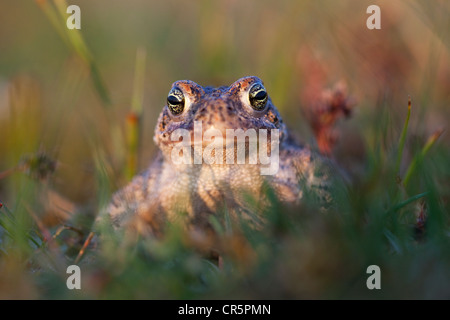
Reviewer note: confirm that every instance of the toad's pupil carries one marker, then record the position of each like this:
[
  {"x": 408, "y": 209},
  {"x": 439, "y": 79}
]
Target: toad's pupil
[
  {"x": 261, "y": 95},
  {"x": 174, "y": 100}
]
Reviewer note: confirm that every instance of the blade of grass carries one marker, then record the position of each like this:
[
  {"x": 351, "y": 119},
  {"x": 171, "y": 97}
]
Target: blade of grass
[
  {"x": 11, "y": 227},
  {"x": 85, "y": 245},
  {"x": 420, "y": 156},
  {"x": 217, "y": 226},
  {"x": 52, "y": 16},
  {"x": 139, "y": 79},
  {"x": 402, "y": 140},
  {"x": 73, "y": 35},
  {"x": 99, "y": 85},
  {"x": 132, "y": 133},
  {"x": 408, "y": 201},
  {"x": 133, "y": 127},
  {"x": 103, "y": 176},
  {"x": 393, "y": 241},
  {"x": 79, "y": 46},
  {"x": 74, "y": 40}
]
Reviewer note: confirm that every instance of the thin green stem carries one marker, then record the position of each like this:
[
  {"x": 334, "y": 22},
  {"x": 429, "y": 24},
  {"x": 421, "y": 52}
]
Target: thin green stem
[
  {"x": 402, "y": 140},
  {"x": 420, "y": 156}
]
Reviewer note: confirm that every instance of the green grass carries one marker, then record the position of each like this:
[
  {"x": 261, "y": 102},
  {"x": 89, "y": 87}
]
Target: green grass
[
  {"x": 394, "y": 214},
  {"x": 302, "y": 252}
]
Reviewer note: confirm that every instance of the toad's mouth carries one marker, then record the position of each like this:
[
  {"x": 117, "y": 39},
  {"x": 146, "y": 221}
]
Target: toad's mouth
[
  {"x": 232, "y": 138},
  {"x": 236, "y": 146},
  {"x": 197, "y": 135}
]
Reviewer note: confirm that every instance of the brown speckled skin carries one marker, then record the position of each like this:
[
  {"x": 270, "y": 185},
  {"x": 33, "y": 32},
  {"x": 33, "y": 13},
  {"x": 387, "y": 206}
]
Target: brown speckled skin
[{"x": 189, "y": 194}]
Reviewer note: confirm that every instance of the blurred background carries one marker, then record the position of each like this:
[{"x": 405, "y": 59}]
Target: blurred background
[
  {"x": 48, "y": 102},
  {"x": 302, "y": 50}
]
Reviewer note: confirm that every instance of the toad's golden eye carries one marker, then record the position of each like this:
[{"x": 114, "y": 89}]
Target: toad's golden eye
[
  {"x": 258, "y": 96},
  {"x": 175, "y": 101}
]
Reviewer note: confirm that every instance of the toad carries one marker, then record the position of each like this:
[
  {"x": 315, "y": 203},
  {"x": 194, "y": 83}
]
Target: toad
[{"x": 213, "y": 155}]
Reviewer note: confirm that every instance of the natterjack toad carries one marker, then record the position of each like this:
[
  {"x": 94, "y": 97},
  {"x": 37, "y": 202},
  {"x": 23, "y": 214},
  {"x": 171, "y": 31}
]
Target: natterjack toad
[{"x": 217, "y": 147}]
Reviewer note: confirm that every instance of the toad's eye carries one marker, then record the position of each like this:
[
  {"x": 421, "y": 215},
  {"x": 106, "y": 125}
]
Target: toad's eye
[
  {"x": 258, "y": 96},
  {"x": 175, "y": 101}
]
